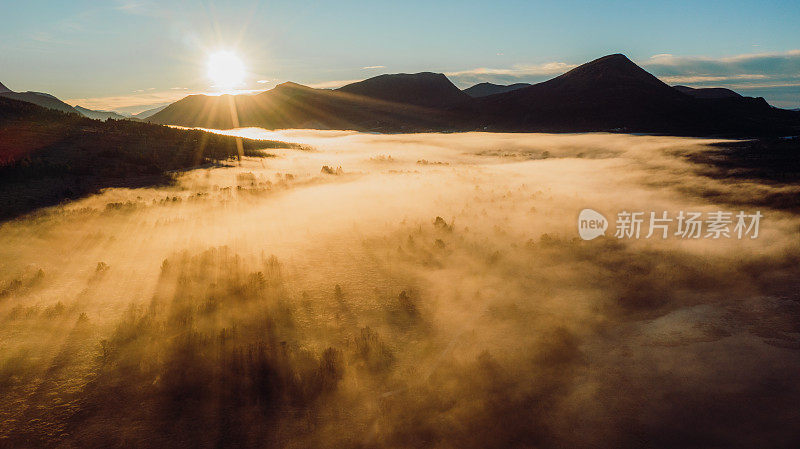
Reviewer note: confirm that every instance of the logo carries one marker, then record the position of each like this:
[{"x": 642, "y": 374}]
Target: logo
[
  {"x": 685, "y": 225},
  {"x": 591, "y": 224}
]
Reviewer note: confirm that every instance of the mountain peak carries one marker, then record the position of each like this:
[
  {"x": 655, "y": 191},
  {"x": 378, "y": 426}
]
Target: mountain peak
[
  {"x": 616, "y": 62},
  {"x": 425, "y": 89},
  {"x": 615, "y": 57},
  {"x": 291, "y": 85},
  {"x": 4, "y": 88},
  {"x": 610, "y": 71}
]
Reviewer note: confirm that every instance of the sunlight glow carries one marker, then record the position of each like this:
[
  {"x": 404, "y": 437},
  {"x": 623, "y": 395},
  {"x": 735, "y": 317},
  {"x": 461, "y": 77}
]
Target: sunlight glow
[{"x": 225, "y": 70}]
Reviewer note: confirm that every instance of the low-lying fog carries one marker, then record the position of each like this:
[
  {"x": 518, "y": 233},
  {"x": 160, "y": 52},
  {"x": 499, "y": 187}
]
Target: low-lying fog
[{"x": 424, "y": 290}]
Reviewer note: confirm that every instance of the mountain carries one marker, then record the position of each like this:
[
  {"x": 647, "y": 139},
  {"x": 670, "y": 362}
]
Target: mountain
[
  {"x": 614, "y": 94},
  {"x": 145, "y": 114},
  {"x": 99, "y": 115},
  {"x": 486, "y": 89},
  {"x": 37, "y": 98},
  {"x": 291, "y": 105},
  {"x": 424, "y": 89},
  {"x": 609, "y": 94},
  {"x": 707, "y": 92}
]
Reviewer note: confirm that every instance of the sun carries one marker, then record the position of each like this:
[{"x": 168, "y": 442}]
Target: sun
[{"x": 225, "y": 70}]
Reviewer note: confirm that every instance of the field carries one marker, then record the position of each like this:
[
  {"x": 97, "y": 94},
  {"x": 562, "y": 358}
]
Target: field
[{"x": 423, "y": 290}]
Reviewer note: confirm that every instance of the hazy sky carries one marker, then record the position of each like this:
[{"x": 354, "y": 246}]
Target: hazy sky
[{"x": 140, "y": 52}]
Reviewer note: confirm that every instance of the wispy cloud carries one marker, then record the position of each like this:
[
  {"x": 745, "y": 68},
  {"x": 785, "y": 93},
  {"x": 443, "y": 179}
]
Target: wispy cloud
[
  {"x": 138, "y": 7},
  {"x": 140, "y": 97},
  {"x": 44, "y": 37},
  {"x": 731, "y": 70},
  {"x": 773, "y": 75},
  {"x": 371, "y": 67},
  {"x": 695, "y": 79},
  {"x": 518, "y": 70},
  {"x": 332, "y": 84},
  {"x": 513, "y": 74}
]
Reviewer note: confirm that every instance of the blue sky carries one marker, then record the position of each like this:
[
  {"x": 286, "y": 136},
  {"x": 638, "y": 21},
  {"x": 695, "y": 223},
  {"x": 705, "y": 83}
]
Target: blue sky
[{"x": 138, "y": 53}]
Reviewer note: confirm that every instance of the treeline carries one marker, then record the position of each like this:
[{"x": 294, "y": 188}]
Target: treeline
[{"x": 48, "y": 156}]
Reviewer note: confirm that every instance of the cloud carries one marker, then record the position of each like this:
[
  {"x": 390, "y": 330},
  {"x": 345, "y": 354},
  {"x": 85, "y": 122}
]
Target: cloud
[
  {"x": 505, "y": 332},
  {"x": 520, "y": 70},
  {"x": 775, "y": 74},
  {"x": 140, "y": 8},
  {"x": 140, "y": 97},
  {"x": 514, "y": 74},
  {"x": 694, "y": 79},
  {"x": 370, "y": 67},
  {"x": 262, "y": 81}
]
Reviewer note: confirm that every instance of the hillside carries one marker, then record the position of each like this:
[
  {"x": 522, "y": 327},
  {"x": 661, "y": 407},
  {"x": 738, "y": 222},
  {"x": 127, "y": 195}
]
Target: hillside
[
  {"x": 38, "y": 98},
  {"x": 146, "y": 114},
  {"x": 48, "y": 156},
  {"x": 291, "y": 105}
]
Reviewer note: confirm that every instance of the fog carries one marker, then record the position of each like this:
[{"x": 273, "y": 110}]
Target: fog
[{"x": 425, "y": 290}]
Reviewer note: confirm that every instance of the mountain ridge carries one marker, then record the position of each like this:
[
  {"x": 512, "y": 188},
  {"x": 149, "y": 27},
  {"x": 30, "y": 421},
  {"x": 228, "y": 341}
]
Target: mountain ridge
[
  {"x": 486, "y": 89},
  {"x": 38, "y": 98},
  {"x": 99, "y": 115},
  {"x": 610, "y": 93},
  {"x": 426, "y": 89},
  {"x": 707, "y": 92}
]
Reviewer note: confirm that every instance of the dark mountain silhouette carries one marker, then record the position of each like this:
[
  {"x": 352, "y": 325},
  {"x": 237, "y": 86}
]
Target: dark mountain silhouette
[
  {"x": 707, "y": 92},
  {"x": 40, "y": 99},
  {"x": 486, "y": 89},
  {"x": 291, "y": 105},
  {"x": 608, "y": 94},
  {"x": 420, "y": 89},
  {"x": 99, "y": 115},
  {"x": 145, "y": 114},
  {"x": 37, "y": 98},
  {"x": 614, "y": 94}
]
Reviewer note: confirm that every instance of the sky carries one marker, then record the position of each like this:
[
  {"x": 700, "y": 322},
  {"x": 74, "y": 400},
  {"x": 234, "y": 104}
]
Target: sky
[{"x": 129, "y": 55}]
